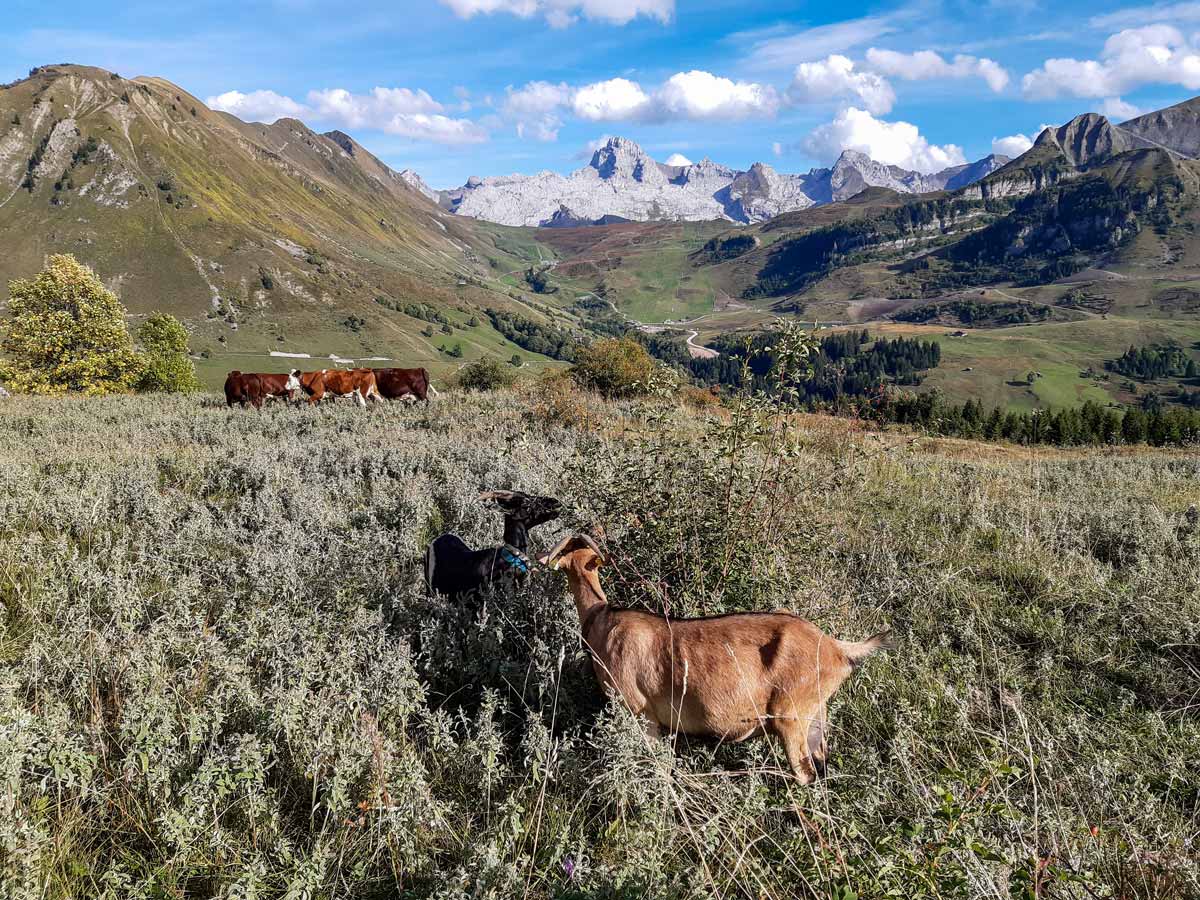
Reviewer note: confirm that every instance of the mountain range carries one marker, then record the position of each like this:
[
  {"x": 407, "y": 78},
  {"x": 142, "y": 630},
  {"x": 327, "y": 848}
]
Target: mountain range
[
  {"x": 277, "y": 239},
  {"x": 622, "y": 182}
]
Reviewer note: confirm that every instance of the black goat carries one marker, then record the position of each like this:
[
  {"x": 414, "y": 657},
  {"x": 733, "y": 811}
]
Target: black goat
[{"x": 453, "y": 569}]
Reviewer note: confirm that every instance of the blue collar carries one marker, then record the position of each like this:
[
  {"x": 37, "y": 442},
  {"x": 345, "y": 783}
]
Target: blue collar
[{"x": 512, "y": 558}]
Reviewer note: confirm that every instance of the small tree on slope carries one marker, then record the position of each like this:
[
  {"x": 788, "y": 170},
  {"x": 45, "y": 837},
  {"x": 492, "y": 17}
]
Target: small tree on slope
[
  {"x": 67, "y": 332},
  {"x": 166, "y": 367}
]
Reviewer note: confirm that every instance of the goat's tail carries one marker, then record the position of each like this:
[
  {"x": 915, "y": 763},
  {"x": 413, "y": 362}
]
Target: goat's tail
[{"x": 858, "y": 651}]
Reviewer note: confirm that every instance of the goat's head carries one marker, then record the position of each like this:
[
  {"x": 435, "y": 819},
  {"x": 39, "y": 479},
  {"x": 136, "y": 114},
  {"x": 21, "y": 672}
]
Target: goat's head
[
  {"x": 574, "y": 550},
  {"x": 528, "y": 509}
]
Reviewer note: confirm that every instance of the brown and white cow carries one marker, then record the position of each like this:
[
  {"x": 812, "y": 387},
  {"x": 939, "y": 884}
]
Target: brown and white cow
[
  {"x": 279, "y": 386},
  {"x": 358, "y": 384},
  {"x": 404, "y": 384},
  {"x": 255, "y": 387}
]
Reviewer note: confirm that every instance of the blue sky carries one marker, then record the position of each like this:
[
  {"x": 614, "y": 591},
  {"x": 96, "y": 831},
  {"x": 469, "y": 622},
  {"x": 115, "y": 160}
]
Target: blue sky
[{"x": 453, "y": 88}]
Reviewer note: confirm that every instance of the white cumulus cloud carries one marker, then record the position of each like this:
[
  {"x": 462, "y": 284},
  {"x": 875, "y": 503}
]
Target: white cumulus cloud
[
  {"x": 925, "y": 65},
  {"x": 616, "y": 98},
  {"x": 678, "y": 159},
  {"x": 436, "y": 129},
  {"x": 561, "y": 13},
  {"x": 1117, "y": 110},
  {"x": 894, "y": 143},
  {"x": 401, "y": 111},
  {"x": 256, "y": 106},
  {"x": 835, "y": 78},
  {"x": 1153, "y": 54},
  {"x": 702, "y": 95},
  {"x": 1012, "y": 146},
  {"x": 535, "y": 107},
  {"x": 372, "y": 110}
]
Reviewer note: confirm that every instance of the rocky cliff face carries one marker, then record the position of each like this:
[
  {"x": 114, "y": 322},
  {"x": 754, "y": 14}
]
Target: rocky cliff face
[
  {"x": 622, "y": 181},
  {"x": 1175, "y": 128},
  {"x": 1091, "y": 138}
]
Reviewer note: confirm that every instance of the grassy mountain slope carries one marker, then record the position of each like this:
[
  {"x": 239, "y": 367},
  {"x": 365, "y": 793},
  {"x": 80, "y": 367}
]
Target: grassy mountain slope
[{"x": 261, "y": 237}]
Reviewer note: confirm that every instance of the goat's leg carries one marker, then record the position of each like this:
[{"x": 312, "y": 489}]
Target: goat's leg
[
  {"x": 818, "y": 744},
  {"x": 793, "y": 734}
]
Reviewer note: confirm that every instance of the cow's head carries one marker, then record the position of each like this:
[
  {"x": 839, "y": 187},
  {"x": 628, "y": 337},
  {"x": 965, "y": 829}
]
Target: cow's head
[
  {"x": 293, "y": 381},
  {"x": 529, "y": 509}
]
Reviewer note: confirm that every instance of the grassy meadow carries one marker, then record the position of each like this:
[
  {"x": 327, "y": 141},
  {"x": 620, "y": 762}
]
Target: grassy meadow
[{"x": 220, "y": 677}]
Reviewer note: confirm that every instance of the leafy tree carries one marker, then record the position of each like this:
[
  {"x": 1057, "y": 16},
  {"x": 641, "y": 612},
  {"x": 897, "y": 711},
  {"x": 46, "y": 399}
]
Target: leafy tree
[
  {"x": 456, "y": 351},
  {"x": 486, "y": 374},
  {"x": 515, "y": 361},
  {"x": 67, "y": 332},
  {"x": 615, "y": 367},
  {"x": 166, "y": 366}
]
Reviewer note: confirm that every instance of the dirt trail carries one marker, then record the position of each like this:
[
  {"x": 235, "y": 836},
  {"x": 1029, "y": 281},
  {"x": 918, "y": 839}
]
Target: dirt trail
[{"x": 696, "y": 350}]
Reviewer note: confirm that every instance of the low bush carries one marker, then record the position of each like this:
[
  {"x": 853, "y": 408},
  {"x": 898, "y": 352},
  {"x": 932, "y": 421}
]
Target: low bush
[
  {"x": 165, "y": 364},
  {"x": 486, "y": 374},
  {"x": 614, "y": 367}
]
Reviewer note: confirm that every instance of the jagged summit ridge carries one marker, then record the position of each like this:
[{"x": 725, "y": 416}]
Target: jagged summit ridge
[
  {"x": 1092, "y": 137},
  {"x": 1175, "y": 128},
  {"x": 622, "y": 181}
]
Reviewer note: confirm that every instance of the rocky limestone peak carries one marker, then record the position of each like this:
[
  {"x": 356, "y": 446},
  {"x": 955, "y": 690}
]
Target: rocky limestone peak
[
  {"x": 755, "y": 182},
  {"x": 417, "y": 183},
  {"x": 622, "y": 158}
]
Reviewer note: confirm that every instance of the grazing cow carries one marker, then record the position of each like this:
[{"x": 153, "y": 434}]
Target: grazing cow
[
  {"x": 243, "y": 388},
  {"x": 452, "y": 568},
  {"x": 356, "y": 383},
  {"x": 255, "y": 387},
  {"x": 279, "y": 387},
  {"x": 403, "y": 384}
]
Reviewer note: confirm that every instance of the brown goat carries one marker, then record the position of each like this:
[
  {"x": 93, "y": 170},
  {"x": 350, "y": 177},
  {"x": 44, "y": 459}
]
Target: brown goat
[{"x": 732, "y": 677}]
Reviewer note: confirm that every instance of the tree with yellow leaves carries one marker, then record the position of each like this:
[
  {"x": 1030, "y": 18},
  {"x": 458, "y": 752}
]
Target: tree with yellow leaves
[{"x": 66, "y": 332}]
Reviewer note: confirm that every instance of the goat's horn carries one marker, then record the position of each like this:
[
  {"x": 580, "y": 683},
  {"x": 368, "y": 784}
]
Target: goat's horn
[
  {"x": 549, "y": 558},
  {"x": 594, "y": 547}
]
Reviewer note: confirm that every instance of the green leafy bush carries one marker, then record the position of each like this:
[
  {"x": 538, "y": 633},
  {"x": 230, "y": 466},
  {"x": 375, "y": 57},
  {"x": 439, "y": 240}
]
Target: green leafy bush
[
  {"x": 486, "y": 374},
  {"x": 614, "y": 367},
  {"x": 166, "y": 366}
]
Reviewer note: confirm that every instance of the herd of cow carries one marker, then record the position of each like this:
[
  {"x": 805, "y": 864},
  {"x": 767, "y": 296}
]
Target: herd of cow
[{"x": 360, "y": 385}]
